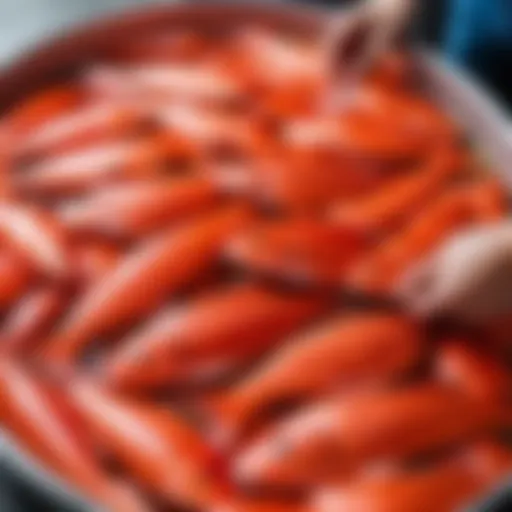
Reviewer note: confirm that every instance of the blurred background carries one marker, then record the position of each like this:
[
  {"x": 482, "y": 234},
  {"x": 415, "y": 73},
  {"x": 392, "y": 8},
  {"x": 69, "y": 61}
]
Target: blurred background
[{"x": 24, "y": 22}]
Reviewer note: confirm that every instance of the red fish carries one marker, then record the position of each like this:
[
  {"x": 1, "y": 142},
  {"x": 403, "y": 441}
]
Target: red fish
[
  {"x": 444, "y": 488},
  {"x": 378, "y": 272},
  {"x": 392, "y": 204},
  {"x": 366, "y": 128},
  {"x": 343, "y": 352},
  {"x": 37, "y": 237},
  {"x": 33, "y": 112},
  {"x": 306, "y": 182},
  {"x": 375, "y": 138},
  {"x": 156, "y": 448},
  {"x": 186, "y": 342},
  {"x": 145, "y": 277},
  {"x": 474, "y": 372},
  {"x": 160, "y": 83},
  {"x": 85, "y": 168},
  {"x": 303, "y": 251},
  {"x": 273, "y": 61},
  {"x": 411, "y": 116},
  {"x": 209, "y": 131},
  {"x": 487, "y": 200},
  {"x": 490, "y": 460},
  {"x": 130, "y": 210},
  {"x": 48, "y": 428},
  {"x": 84, "y": 126},
  {"x": 332, "y": 439}
]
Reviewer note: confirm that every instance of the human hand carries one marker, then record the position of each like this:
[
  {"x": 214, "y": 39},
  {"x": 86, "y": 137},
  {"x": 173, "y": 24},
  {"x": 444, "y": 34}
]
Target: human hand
[
  {"x": 470, "y": 277},
  {"x": 357, "y": 39}
]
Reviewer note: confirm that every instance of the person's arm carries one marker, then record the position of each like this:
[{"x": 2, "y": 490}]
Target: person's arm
[
  {"x": 357, "y": 39},
  {"x": 469, "y": 277}
]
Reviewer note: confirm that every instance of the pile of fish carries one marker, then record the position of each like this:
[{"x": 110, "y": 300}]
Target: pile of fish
[{"x": 198, "y": 265}]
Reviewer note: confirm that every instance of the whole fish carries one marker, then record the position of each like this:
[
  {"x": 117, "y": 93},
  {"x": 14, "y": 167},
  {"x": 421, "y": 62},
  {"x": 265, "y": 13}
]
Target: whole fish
[
  {"x": 81, "y": 169},
  {"x": 183, "y": 343},
  {"x": 131, "y": 210},
  {"x": 145, "y": 277},
  {"x": 392, "y": 204},
  {"x": 157, "y": 449},
  {"x": 301, "y": 251},
  {"x": 46, "y": 425},
  {"x": 331, "y": 439},
  {"x": 336, "y": 355}
]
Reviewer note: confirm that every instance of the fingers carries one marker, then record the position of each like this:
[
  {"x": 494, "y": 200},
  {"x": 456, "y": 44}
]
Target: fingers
[
  {"x": 346, "y": 41},
  {"x": 469, "y": 278},
  {"x": 347, "y": 58},
  {"x": 415, "y": 288},
  {"x": 355, "y": 40},
  {"x": 440, "y": 285},
  {"x": 429, "y": 290},
  {"x": 380, "y": 37}
]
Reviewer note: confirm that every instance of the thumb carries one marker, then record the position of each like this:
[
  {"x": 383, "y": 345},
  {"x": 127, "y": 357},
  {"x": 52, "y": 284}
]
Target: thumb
[
  {"x": 447, "y": 289},
  {"x": 416, "y": 280},
  {"x": 345, "y": 42},
  {"x": 430, "y": 288}
]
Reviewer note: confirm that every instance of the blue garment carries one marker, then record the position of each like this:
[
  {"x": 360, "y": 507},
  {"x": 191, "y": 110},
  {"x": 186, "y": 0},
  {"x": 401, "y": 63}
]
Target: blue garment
[{"x": 479, "y": 37}]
